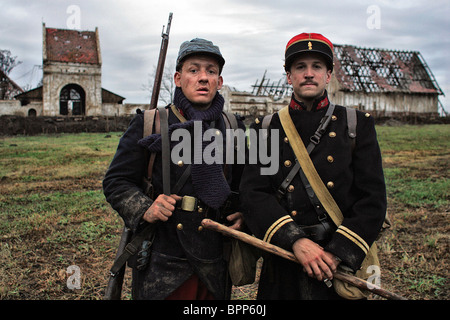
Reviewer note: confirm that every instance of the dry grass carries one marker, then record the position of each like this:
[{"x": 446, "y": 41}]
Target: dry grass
[{"x": 53, "y": 215}]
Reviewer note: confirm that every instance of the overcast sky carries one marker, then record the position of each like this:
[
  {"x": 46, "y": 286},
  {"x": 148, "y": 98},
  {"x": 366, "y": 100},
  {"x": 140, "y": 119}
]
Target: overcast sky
[{"x": 252, "y": 35}]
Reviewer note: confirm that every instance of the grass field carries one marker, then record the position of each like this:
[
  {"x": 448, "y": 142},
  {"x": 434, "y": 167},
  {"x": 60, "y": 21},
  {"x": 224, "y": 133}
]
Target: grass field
[{"x": 53, "y": 214}]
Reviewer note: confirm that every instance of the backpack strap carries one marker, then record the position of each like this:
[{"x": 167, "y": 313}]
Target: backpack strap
[
  {"x": 266, "y": 121},
  {"x": 230, "y": 120},
  {"x": 151, "y": 119},
  {"x": 351, "y": 124},
  {"x": 165, "y": 149},
  {"x": 230, "y": 123}
]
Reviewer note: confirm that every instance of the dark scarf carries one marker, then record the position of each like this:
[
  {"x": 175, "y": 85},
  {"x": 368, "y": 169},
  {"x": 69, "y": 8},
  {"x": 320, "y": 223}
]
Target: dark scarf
[{"x": 208, "y": 180}]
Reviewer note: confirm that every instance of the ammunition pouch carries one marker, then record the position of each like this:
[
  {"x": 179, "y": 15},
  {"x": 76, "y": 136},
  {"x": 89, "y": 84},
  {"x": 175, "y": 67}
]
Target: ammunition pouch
[{"x": 141, "y": 256}]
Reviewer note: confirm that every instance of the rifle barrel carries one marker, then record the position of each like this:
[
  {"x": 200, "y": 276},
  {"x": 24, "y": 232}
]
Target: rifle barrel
[{"x": 161, "y": 62}]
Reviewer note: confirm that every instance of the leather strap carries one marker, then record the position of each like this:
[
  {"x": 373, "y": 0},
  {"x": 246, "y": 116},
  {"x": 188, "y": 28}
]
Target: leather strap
[
  {"x": 165, "y": 152},
  {"x": 314, "y": 140},
  {"x": 132, "y": 248},
  {"x": 307, "y": 165}
]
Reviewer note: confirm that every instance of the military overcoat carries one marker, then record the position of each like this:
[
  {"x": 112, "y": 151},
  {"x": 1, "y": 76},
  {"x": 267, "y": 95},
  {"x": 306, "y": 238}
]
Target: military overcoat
[
  {"x": 181, "y": 246},
  {"x": 352, "y": 173}
]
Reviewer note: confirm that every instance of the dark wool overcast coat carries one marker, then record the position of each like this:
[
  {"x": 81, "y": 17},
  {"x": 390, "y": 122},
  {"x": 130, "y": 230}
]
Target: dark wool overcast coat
[
  {"x": 355, "y": 180},
  {"x": 181, "y": 246}
]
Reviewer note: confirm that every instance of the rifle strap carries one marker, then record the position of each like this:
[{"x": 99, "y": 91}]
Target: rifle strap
[
  {"x": 307, "y": 165},
  {"x": 131, "y": 248}
]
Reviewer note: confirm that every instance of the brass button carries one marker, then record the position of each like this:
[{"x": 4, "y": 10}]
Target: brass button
[
  {"x": 332, "y": 134},
  {"x": 330, "y": 159},
  {"x": 200, "y": 209},
  {"x": 333, "y": 118},
  {"x": 286, "y": 139},
  {"x": 287, "y": 163},
  {"x": 180, "y": 163},
  {"x": 200, "y": 228},
  {"x": 290, "y": 188},
  {"x": 293, "y": 213},
  {"x": 179, "y": 226},
  {"x": 218, "y": 133},
  {"x": 330, "y": 184},
  {"x": 367, "y": 115}
]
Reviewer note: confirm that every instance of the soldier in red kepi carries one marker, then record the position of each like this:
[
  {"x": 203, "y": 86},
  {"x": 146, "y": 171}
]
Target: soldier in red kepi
[{"x": 284, "y": 210}]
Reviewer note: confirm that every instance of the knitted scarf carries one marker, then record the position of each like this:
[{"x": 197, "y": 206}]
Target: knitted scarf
[{"x": 208, "y": 180}]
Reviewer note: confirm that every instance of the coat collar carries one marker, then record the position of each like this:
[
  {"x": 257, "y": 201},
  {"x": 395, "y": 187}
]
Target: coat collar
[{"x": 318, "y": 104}]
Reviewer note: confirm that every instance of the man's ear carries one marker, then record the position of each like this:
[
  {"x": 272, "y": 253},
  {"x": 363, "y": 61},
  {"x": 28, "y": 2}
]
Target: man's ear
[
  {"x": 177, "y": 79},
  {"x": 288, "y": 77},
  {"x": 328, "y": 76},
  {"x": 220, "y": 83}
]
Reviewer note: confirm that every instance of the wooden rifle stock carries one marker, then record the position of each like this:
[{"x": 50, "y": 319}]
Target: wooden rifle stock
[
  {"x": 357, "y": 282},
  {"x": 160, "y": 67}
]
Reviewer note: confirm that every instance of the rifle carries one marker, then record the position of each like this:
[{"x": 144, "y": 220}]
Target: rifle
[
  {"x": 114, "y": 288},
  {"x": 364, "y": 285},
  {"x": 160, "y": 67}
]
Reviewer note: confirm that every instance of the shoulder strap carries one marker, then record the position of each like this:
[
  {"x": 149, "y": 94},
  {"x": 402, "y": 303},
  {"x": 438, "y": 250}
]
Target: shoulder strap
[
  {"x": 266, "y": 121},
  {"x": 165, "y": 149},
  {"x": 307, "y": 165},
  {"x": 151, "y": 117},
  {"x": 230, "y": 120},
  {"x": 351, "y": 124},
  {"x": 314, "y": 141}
]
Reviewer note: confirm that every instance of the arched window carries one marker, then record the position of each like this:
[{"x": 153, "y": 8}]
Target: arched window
[
  {"x": 72, "y": 100},
  {"x": 32, "y": 112}
]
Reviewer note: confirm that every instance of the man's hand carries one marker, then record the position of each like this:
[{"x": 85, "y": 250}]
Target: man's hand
[
  {"x": 316, "y": 262},
  {"x": 162, "y": 208},
  {"x": 237, "y": 220}
]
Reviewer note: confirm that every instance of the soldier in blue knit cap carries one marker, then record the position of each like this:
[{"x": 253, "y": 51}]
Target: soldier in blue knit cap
[{"x": 185, "y": 260}]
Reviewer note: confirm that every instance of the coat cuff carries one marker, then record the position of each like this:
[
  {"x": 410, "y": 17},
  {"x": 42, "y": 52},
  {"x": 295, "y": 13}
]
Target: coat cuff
[
  {"x": 283, "y": 233},
  {"x": 349, "y": 247}
]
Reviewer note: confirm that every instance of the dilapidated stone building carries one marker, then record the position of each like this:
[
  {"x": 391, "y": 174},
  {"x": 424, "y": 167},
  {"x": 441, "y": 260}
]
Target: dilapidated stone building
[{"x": 72, "y": 78}]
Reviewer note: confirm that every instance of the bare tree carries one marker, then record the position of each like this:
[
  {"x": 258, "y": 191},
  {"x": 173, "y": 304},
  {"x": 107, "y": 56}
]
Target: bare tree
[
  {"x": 167, "y": 85},
  {"x": 8, "y": 88},
  {"x": 8, "y": 62}
]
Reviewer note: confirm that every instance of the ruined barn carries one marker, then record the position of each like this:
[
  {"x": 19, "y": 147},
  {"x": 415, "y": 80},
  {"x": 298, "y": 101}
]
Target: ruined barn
[{"x": 386, "y": 83}]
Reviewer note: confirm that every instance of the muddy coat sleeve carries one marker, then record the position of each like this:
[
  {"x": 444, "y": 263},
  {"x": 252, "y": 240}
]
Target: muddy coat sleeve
[{"x": 123, "y": 182}]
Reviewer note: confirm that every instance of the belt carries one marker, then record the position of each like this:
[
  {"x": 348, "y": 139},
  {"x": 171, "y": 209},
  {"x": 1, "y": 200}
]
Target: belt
[
  {"x": 192, "y": 204},
  {"x": 318, "y": 232}
]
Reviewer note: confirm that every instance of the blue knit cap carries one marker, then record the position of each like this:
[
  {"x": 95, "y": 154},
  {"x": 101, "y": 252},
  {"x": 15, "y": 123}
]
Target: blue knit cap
[{"x": 200, "y": 46}]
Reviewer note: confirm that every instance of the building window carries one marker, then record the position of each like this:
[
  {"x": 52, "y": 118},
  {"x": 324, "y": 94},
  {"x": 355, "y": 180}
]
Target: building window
[
  {"x": 32, "y": 112},
  {"x": 72, "y": 100}
]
